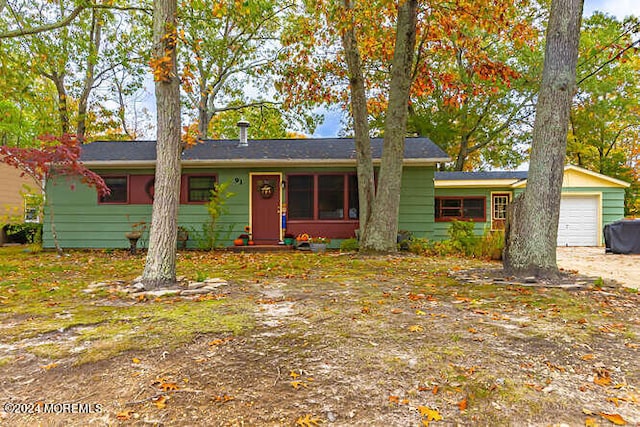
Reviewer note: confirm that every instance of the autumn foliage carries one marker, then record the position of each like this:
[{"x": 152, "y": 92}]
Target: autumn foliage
[
  {"x": 59, "y": 156},
  {"x": 445, "y": 30}
]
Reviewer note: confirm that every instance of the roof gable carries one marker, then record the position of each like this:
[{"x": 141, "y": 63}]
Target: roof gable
[{"x": 577, "y": 177}]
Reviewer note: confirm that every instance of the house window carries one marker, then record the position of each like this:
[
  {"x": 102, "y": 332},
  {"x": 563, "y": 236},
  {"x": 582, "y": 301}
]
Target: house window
[
  {"x": 322, "y": 197},
  {"x": 460, "y": 208},
  {"x": 301, "y": 196},
  {"x": 199, "y": 188},
  {"x": 119, "y": 189},
  {"x": 32, "y": 208},
  {"x": 331, "y": 197},
  {"x": 499, "y": 204}
]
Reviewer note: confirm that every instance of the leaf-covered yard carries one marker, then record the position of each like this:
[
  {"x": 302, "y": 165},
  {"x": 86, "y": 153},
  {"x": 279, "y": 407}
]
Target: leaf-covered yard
[{"x": 305, "y": 339}]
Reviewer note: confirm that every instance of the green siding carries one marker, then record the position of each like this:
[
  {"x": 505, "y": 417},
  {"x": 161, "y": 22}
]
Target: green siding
[
  {"x": 83, "y": 223},
  {"x": 416, "y": 201},
  {"x": 440, "y": 228}
]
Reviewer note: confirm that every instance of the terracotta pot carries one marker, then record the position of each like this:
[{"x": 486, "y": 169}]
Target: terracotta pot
[{"x": 238, "y": 242}]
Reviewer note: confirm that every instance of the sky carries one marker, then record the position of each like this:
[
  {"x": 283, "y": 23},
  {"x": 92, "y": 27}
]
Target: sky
[{"x": 619, "y": 8}]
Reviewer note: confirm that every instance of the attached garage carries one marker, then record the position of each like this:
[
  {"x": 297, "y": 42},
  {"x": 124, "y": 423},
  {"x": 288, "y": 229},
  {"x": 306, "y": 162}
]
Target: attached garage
[
  {"x": 578, "y": 224},
  {"x": 589, "y": 202}
]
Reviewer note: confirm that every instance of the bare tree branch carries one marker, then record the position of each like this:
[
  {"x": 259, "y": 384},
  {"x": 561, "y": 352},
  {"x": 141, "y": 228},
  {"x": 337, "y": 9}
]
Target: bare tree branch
[{"x": 62, "y": 22}]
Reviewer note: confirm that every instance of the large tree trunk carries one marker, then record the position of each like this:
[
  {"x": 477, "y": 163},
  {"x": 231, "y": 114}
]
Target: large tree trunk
[
  {"x": 382, "y": 229},
  {"x": 366, "y": 183},
  {"x": 160, "y": 266},
  {"x": 533, "y": 231}
]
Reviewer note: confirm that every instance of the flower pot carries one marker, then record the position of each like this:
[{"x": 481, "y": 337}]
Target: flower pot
[{"x": 318, "y": 247}]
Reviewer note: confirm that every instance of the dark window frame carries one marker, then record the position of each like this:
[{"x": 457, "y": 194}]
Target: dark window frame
[
  {"x": 316, "y": 209},
  {"x": 102, "y": 201},
  {"x": 461, "y": 217},
  {"x": 185, "y": 193}
]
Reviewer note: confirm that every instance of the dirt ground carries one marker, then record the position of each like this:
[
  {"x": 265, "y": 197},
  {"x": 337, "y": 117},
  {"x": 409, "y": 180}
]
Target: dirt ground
[
  {"x": 592, "y": 261},
  {"x": 398, "y": 344}
]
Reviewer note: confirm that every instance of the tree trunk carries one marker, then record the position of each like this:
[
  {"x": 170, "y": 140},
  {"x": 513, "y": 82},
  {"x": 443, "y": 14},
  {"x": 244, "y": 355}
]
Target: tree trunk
[
  {"x": 366, "y": 183},
  {"x": 89, "y": 79},
  {"x": 203, "y": 114},
  {"x": 463, "y": 153},
  {"x": 63, "y": 112},
  {"x": 54, "y": 232},
  {"x": 533, "y": 231},
  {"x": 382, "y": 229},
  {"x": 160, "y": 266}
]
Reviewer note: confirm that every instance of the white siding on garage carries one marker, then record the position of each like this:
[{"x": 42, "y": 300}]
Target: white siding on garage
[{"x": 578, "y": 225}]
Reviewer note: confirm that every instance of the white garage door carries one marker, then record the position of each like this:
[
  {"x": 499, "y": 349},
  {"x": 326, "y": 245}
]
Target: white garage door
[{"x": 578, "y": 225}]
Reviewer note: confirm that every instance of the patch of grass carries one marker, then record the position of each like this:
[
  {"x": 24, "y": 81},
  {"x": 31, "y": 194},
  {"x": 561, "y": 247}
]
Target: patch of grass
[{"x": 51, "y": 351}]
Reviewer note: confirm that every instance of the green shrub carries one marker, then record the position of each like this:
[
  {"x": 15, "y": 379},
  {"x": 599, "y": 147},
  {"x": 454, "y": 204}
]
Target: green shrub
[
  {"x": 491, "y": 244},
  {"x": 24, "y": 233},
  {"x": 349, "y": 245},
  {"x": 462, "y": 237},
  {"x": 209, "y": 237},
  {"x": 420, "y": 246}
]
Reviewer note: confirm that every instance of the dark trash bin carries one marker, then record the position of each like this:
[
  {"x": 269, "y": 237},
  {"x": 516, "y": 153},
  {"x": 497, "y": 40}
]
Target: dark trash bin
[{"x": 622, "y": 237}]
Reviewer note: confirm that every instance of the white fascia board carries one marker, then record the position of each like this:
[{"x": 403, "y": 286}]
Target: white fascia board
[{"x": 473, "y": 183}]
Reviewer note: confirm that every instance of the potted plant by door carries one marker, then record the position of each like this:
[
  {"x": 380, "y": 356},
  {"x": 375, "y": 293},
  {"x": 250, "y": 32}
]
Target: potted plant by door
[{"x": 319, "y": 244}]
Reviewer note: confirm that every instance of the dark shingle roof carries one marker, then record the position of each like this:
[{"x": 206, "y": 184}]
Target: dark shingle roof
[
  {"x": 454, "y": 176},
  {"x": 269, "y": 149}
]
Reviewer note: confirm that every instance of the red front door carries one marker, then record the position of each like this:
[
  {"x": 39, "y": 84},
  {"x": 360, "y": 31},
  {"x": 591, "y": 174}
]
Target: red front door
[{"x": 265, "y": 209}]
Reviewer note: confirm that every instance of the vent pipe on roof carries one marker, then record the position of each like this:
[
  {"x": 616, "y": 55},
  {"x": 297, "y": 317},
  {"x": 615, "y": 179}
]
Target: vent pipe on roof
[{"x": 242, "y": 126}]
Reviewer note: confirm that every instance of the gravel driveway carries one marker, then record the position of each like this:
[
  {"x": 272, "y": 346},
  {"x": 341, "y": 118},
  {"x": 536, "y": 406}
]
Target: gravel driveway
[{"x": 592, "y": 261}]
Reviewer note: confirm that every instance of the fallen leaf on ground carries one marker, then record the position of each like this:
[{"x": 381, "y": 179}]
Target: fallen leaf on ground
[
  {"x": 462, "y": 404},
  {"x": 429, "y": 414},
  {"x": 124, "y": 415},
  {"x": 168, "y": 386},
  {"x": 602, "y": 378},
  {"x": 416, "y": 328},
  {"x": 161, "y": 402},
  {"x": 49, "y": 366},
  {"x": 298, "y": 384},
  {"x": 614, "y": 418},
  {"x": 308, "y": 421},
  {"x": 590, "y": 422},
  {"x": 294, "y": 375},
  {"x": 135, "y": 360}
]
